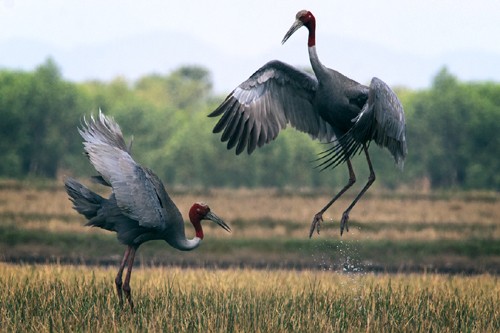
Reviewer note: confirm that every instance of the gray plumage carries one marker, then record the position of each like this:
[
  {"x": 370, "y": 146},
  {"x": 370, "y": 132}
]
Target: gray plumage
[
  {"x": 381, "y": 119},
  {"x": 328, "y": 106},
  {"x": 139, "y": 208},
  {"x": 340, "y": 111},
  {"x": 259, "y": 108}
]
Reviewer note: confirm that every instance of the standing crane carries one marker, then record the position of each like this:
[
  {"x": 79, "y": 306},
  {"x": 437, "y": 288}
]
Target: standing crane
[
  {"x": 138, "y": 209},
  {"x": 328, "y": 106}
]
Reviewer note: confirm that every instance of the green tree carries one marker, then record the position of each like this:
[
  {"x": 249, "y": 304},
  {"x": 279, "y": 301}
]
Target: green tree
[
  {"x": 14, "y": 87},
  {"x": 451, "y": 133},
  {"x": 39, "y": 108}
]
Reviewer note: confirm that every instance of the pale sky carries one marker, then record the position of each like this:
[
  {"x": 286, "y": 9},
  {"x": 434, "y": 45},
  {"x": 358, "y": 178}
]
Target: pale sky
[{"x": 252, "y": 29}]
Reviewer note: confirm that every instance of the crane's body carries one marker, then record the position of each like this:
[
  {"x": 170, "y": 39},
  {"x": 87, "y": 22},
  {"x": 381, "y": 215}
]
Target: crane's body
[
  {"x": 338, "y": 100},
  {"x": 139, "y": 209},
  {"x": 327, "y": 105}
]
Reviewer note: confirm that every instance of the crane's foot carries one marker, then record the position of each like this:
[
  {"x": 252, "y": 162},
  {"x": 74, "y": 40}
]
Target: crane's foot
[
  {"x": 118, "y": 284},
  {"x": 128, "y": 295},
  {"x": 343, "y": 223},
  {"x": 316, "y": 224}
]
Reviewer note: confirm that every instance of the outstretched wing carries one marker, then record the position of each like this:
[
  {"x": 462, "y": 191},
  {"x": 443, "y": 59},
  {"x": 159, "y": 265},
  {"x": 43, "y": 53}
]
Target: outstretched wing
[
  {"x": 381, "y": 119},
  {"x": 277, "y": 94},
  {"x": 105, "y": 130},
  {"x": 138, "y": 191}
]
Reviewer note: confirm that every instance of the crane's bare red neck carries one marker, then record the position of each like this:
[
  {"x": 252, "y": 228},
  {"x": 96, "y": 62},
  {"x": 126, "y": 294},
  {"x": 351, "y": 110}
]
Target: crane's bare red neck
[
  {"x": 310, "y": 23},
  {"x": 196, "y": 214},
  {"x": 197, "y": 228}
]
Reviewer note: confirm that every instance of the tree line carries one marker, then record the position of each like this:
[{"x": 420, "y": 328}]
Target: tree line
[{"x": 452, "y": 133}]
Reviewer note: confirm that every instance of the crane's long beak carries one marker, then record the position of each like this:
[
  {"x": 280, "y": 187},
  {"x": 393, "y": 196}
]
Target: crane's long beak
[
  {"x": 212, "y": 217},
  {"x": 295, "y": 26}
]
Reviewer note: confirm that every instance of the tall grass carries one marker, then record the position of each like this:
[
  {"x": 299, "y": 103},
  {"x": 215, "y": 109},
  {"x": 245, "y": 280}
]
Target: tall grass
[{"x": 69, "y": 298}]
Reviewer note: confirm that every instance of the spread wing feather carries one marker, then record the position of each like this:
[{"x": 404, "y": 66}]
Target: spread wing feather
[
  {"x": 256, "y": 111},
  {"x": 381, "y": 120},
  {"x": 139, "y": 192}
]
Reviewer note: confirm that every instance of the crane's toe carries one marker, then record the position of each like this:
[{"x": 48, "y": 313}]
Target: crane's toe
[
  {"x": 343, "y": 223},
  {"x": 128, "y": 294},
  {"x": 316, "y": 224}
]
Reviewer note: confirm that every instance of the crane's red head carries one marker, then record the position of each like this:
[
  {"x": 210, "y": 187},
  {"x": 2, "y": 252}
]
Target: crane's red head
[
  {"x": 200, "y": 211},
  {"x": 303, "y": 18}
]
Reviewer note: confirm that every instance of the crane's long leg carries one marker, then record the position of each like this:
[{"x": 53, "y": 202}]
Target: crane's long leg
[
  {"x": 318, "y": 218},
  {"x": 126, "y": 283},
  {"x": 118, "y": 279},
  {"x": 371, "y": 179}
]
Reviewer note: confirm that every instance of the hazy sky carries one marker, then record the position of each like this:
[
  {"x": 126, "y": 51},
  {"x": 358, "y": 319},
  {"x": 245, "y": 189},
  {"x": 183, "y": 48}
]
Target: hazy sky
[{"x": 250, "y": 28}]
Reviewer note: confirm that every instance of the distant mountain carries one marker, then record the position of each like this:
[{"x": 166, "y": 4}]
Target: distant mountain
[{"x": 161, "y": 53}]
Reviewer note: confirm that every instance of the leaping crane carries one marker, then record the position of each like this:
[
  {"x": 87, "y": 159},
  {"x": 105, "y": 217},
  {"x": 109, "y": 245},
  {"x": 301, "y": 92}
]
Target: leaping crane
[
  {"x": 327, "y": 105},
  {"x": 138, "y": 209}
]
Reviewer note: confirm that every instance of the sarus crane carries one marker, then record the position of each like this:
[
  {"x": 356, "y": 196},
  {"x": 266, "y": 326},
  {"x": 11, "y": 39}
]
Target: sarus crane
[
  {"x": 139, "y": 208},
  {"x": 328, "y": 106}
]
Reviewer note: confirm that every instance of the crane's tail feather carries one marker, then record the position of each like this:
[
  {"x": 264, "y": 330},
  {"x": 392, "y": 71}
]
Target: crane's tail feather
[
  {"x": 85, "y": 201},
  {"x": 342, "y": 149}
]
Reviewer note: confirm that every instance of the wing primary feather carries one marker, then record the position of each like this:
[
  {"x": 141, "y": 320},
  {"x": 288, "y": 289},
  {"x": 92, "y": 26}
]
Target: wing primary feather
[
  {"x": 242, "y": 142},
  {"x": 253, "y": 138},
  {"x": 274, "y": 96},
  {"x": 262, "y": 136},
  {"x": 234, "y": 139},
  {"x": 232, "y": 124},
  {"x": 222, "y": 108},
  {"x": 227, "y": 108}
]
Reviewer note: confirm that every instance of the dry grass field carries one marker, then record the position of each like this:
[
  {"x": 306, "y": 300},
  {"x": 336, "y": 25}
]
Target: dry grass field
[
  {"x": 47, "y": 298},
  {"x": 324, "y": 284},
  {"x": 388, "y": 231},
  {"x": 377, "y": 216}
]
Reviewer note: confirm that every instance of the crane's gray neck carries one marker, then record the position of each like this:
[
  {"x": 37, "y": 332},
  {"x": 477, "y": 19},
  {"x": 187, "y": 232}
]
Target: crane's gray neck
[
  {"x": 318, "y": 68},
  {"x": 184, "y": 244}
]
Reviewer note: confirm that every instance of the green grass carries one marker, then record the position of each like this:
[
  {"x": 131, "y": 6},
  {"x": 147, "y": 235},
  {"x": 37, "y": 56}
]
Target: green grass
[{"x": 75, "y": 298}]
